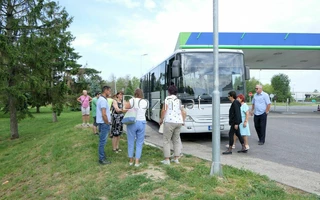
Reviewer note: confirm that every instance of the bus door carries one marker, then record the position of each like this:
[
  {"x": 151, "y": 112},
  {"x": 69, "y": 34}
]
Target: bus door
[
  {"x": 163, "y": 85},
  {"x": 148, "y": 96}
]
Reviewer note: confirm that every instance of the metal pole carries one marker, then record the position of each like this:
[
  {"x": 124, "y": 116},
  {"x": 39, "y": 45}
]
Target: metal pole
[{"x": 216, "y": 165}]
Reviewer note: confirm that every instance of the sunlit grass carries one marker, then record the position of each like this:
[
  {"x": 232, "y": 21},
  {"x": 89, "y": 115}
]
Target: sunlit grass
[{"x": 59, "y": 161}]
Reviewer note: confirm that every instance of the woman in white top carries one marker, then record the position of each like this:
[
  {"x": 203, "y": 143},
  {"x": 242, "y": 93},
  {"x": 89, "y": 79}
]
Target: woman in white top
[
  {"x": 173, "y": 118},
  {"x": 136, "y": 131}
]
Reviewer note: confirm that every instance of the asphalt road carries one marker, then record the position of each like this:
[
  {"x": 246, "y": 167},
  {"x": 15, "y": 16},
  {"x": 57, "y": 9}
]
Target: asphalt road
[{"x": 293, "y": 138}]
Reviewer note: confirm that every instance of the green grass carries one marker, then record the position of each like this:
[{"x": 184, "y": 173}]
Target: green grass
[{"x": 59, "y": 161}]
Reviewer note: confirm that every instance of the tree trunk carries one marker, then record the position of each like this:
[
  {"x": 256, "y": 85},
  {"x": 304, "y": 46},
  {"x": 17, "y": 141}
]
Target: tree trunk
[
  {"x": 13, "y": 118},
  {"x": 54, "y": 117},
  {"x": 38, "y": 109},
  {"x": 11, "y": 82}
]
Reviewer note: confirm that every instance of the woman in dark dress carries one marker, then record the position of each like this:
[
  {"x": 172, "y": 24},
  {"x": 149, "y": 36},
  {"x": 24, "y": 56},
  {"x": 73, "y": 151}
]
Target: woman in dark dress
[
  {"x": 234, "y": 121},
  {"x": 117, "y": 126}
]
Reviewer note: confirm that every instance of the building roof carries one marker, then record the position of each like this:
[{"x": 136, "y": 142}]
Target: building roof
[{"x": 262, "y": 50}]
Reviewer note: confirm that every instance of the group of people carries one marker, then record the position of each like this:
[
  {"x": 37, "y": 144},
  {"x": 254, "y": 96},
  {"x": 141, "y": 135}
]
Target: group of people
[
  {"x": 108, "y": 113},
  {"x": 117, "y": 113},
  {"x": 239, "y": 115}
]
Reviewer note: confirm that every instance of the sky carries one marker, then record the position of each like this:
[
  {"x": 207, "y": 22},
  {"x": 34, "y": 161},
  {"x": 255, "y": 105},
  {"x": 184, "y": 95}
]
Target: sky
[{"x": 128, "y": 37}]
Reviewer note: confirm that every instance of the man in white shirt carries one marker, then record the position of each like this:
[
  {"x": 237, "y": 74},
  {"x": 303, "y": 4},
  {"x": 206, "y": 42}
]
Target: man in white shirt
[
  {"x": 260, "y": 108},
  {"x": 103, "y": 118}
]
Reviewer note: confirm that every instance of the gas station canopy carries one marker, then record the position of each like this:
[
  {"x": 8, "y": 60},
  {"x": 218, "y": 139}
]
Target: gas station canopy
[{"x": 295, "y": 51}]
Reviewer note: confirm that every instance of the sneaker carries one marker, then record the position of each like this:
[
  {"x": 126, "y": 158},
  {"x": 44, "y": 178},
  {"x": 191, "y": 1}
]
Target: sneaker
[
  {"x": 83, "y": 124},
  {"x": 130, "y": 163},
  {"x": 137, "y": 165},
  {"x": 88, "y": 125},
  {"x": 233, "y": 146},
  {"x": 115, "y": 150},
  {"x": 119, "y": 150},
  {"x": 166, "y": 162},
  {"x": 175, "y": 161},
  {"x": 104, "y": 162}
]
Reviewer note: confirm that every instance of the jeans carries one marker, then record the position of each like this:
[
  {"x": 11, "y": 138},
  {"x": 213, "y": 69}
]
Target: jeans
[
  {"x": 103, "y": 136},
  {"x": 135, "y": 136}
]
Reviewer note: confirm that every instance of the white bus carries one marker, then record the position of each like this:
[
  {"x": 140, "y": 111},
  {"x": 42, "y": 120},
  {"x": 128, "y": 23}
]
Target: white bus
[{"x": 191, "y": 71}]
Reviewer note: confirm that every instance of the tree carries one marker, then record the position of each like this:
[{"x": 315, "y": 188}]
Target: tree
[
  {"x": 281, "y": 86},
  {"x": 24, "y": 26},
  {"x": 84, "y": 78},
  {"x": 268, "y": 88},
  {"x": 121, "y": 84},
  {"x": 315, "y": 95},
  {"x": 95, "y": 84},
  {"x": 59, "y": 55},
  {"x": 135, "y": 82},
  {"x": 17, "y": 19},
  {"x": 251, "y": 85},
  {"x": 129, "y": 89}
]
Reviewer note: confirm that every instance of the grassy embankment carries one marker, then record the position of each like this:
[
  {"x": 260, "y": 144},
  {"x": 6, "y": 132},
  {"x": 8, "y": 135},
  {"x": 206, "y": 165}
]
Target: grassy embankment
[{"x": 59, "y": 161}]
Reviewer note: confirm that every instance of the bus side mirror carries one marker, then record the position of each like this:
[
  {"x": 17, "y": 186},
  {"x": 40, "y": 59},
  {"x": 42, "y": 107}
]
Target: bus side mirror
[
  {"x": 247, "y": 73},
  {"x": 176, "y": 69}
]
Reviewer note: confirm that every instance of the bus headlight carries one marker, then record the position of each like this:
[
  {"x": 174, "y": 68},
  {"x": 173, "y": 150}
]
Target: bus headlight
[{"x": 189, "y": 119}]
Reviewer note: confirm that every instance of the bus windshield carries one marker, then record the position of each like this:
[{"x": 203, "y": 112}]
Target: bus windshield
[{"x": 197, "y": 80}]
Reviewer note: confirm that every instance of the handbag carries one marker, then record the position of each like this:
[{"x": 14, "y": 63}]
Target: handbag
[{"x": 130, "y": 116}]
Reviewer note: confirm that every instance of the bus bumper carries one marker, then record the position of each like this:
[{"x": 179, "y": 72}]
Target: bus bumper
[{"x": 203, "y": 127}]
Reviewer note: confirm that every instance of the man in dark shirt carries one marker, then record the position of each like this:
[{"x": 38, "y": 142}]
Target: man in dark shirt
[{"x": 234, "y": 121}]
